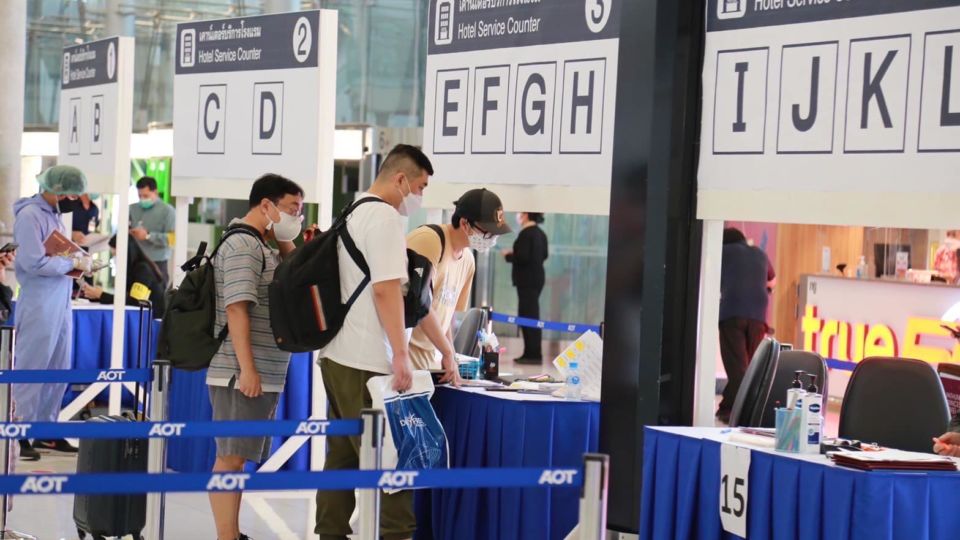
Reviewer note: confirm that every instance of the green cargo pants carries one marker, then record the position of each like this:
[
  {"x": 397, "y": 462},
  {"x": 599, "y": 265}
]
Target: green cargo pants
[{"x": 347, "y": 392}]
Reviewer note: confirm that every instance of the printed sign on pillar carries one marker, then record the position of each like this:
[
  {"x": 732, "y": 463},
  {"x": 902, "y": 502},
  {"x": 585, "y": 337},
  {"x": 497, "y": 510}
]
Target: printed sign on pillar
[
  {"x": 849, "y": 110},
  {"x": 255, "y": 95},
  {"x": 96, "y": 111},
  {"x": 522, "y": 93}
]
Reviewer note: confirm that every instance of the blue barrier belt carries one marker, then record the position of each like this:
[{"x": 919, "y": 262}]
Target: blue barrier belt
[
  {"x": 177, "y": 430},
  {"x": 841, "y": 364},
  {"x": 129, "y": 483},
  {"x": 75, "y": 376},
  {"x": 543, "y": 325}
]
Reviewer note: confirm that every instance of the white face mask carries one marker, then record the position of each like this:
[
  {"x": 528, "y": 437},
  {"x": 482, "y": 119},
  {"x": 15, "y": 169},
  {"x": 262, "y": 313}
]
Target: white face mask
[
  {"x": 287, "y": 229},
  {"x": 411, "y": 202},
  {"x": 481, "y": 244}
]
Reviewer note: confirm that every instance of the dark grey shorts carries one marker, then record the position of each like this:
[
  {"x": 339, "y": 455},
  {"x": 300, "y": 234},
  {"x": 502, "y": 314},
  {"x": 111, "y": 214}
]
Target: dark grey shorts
[{"x": 230, "y": 404}]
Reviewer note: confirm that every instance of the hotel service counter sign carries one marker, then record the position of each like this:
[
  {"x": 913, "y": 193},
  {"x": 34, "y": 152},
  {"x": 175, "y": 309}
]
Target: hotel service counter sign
[
  {"x": 254, "y": 95},
  {"x": 831, "y": 111},
  {"x": 522, "y": 91},
  {"x": 96, "y": 110}
]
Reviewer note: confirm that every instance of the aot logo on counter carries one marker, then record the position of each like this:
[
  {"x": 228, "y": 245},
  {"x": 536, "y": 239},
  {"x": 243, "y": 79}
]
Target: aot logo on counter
[{"x": 854, "y": 341}]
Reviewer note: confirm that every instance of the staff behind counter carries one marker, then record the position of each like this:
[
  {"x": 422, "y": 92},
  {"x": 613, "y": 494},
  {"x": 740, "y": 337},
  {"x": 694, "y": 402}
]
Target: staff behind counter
[{"x": 140, "y": 271}]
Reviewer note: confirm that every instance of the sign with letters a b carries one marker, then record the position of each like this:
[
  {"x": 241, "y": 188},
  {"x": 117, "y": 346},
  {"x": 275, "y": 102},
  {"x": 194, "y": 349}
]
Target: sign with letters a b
[
  {"x": 96, "y": 111},
  {"x": 849, "y": 110},
  {"x": 255, "y": 95}
]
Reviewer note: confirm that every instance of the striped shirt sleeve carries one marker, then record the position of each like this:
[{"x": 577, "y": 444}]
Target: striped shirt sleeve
[{"x": 241, "y": 258}]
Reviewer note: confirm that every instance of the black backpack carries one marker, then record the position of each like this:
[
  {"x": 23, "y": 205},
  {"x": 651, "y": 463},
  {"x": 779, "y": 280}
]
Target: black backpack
[
  {"x": 419, "y": 297},
  {"x": 306, "y": 309},
  {"x": 187, "y": 337}
]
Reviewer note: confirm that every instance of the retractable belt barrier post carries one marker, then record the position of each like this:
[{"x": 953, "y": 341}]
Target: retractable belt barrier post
[
  {"x": 7, "y": 348},
  {"x": 157, "y": 449},
  {"x": 371, "y": 455},
  {"x": 593, "y": 497}
]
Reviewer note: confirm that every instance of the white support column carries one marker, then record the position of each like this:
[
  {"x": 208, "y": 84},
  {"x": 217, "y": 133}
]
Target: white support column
[
  {"x": 13, "y": 43},
  {"x": 708, "y": 335}
]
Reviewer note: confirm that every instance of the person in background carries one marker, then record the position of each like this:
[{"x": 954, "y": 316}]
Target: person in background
[
  {"x": 477, "y": 223},
  {"x": 529, "y": 252},
  {"x": 151, "y": 222},
  {"x": 248, "y": 373},
  {"x": 746, "y": 279},
  {"x": 86, "y": 217},
  {"x": 372, "y": 340},
  {"x": 140, "y": 269},
  {"x": 945, "y": 260},
  {"x": 7, "y": 260},
  {"x": 44, "y": 321}
]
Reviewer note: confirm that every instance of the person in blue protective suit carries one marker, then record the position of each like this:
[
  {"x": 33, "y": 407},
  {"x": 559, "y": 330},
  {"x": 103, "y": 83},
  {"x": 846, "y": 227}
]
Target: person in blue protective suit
[{"x": 44, "y": 321}]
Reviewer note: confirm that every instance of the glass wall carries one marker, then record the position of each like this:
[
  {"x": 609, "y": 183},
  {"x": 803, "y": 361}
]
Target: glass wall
[{"x": 382, "y": 53}]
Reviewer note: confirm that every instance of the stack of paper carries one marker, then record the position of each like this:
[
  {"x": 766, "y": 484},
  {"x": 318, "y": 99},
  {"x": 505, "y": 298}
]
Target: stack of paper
[{"x": 893, "y": 460}]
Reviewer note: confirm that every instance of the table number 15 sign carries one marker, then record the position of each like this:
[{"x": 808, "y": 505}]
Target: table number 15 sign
[{"x": 734, "y": 488}]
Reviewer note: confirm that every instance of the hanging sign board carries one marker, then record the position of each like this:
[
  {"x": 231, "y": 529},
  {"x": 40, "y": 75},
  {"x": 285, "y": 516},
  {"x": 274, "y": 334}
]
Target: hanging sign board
[
  {"x": 255, "y": 95},
  {"x": 96, "y": 111},
  {"x": 522, "y": 93},
  {"x": 831, "y": 112}
]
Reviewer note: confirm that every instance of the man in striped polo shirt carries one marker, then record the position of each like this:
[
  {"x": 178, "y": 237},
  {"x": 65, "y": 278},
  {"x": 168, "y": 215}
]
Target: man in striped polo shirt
[{"x": 248, "y": 373}]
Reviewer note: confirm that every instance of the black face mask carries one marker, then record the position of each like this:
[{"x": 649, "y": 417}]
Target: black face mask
[{"x": 67, "y": 206}]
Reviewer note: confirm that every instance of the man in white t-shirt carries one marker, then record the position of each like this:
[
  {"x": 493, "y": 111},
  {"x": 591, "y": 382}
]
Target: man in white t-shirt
[{"x": 373, "y": 339}]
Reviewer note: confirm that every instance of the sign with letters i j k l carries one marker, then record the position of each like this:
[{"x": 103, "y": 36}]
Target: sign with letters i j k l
[
  {"x": 848, "y": 109},
  {"x": 254, "y": 95},
  {"x": 522, "y": 92},
  {"x": 96, "y": 111}
]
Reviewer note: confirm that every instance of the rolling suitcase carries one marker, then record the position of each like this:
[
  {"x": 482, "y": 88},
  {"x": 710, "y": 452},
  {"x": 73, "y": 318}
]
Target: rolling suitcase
[{"x": 115, "y": 515}]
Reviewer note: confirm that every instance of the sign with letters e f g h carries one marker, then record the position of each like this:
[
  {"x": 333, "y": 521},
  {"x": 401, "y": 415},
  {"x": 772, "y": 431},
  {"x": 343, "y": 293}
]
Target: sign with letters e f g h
[{"x": 522, "y": 92}]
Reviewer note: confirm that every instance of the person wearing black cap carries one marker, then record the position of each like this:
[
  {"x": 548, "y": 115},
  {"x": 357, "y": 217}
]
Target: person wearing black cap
[
  {"x": 477, "y": 223},
  {"x": 529, "y": 252}
]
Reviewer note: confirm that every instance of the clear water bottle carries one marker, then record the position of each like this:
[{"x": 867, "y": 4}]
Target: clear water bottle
[{"x": 573, "y": 384}]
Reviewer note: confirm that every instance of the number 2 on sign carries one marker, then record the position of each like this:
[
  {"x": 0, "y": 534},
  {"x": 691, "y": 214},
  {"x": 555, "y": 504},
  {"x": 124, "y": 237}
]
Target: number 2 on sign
[{"x": 734, "y": 488}]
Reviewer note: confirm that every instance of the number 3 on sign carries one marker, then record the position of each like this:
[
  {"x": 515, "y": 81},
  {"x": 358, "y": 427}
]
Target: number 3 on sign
[{"x": 734, "y": 488}]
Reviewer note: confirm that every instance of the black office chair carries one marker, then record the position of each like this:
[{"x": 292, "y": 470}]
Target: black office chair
[
  {"x": 895, "y": 402},
  {"x": 465, "y": 341},
  {"x": 790, "y": 362},
  {"x": 754, "y": 391}
]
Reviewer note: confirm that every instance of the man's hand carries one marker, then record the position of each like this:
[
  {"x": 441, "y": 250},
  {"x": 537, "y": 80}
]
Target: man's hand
[
  {"x": 249, "y": 383},
  {"x": 90, "y": 292},
  {"x": 451, "y": 370},
  {"x": 507, "y": 252},
  {"x": 139, "y": 233},
  {"x": 7, "y": 259},
  {"x": 947, "y": 444},
  {"x": 310, "y": 232},
  {"x": 402, "y": 373}
]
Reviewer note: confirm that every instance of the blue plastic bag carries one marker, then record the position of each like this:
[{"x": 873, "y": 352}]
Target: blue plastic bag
[
  {"x": 417, "y": 437},
  {"x": 417, "y": 433}
]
